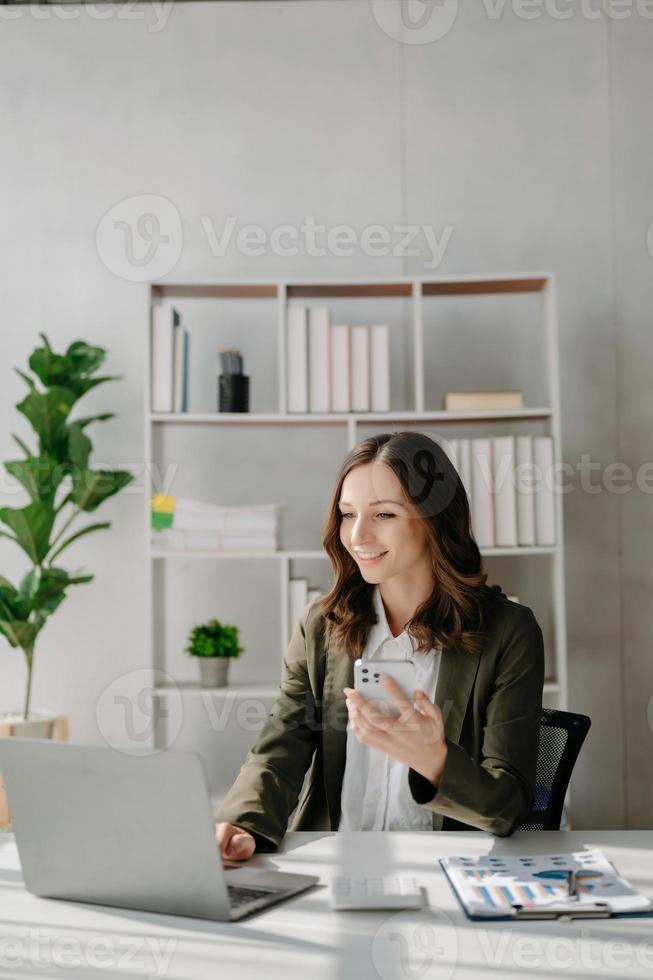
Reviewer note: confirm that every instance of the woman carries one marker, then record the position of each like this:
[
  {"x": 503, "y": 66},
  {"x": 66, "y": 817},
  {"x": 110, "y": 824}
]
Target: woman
[{"x": 409, "y": 583}]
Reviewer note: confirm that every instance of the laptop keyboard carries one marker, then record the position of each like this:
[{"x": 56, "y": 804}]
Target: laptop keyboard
[{"x": 240, "y": 896}]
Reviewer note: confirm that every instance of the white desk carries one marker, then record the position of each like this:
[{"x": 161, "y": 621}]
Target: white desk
[{"x": 305, "y": 939}]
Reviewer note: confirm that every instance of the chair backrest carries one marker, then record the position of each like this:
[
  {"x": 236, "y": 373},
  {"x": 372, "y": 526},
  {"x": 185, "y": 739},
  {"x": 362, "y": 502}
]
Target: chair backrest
[{"x": 561, "y": 737}]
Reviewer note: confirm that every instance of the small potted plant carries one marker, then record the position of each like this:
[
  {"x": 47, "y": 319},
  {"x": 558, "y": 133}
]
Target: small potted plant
[{"x": 214, "y": 645}]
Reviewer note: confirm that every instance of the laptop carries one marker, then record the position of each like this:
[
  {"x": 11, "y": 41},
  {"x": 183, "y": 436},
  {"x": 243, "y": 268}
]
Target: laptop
[{"x": 96, "y": 825}]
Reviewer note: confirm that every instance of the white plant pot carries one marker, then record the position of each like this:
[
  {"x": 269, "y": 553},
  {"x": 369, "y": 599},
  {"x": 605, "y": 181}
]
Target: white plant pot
[
  {"x": 214, "y": 671},
  {"x": 40, "y": 724}
]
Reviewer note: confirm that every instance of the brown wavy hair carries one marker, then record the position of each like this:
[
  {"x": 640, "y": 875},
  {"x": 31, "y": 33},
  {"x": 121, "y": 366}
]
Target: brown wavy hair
[{"x": 455, "y": 612}]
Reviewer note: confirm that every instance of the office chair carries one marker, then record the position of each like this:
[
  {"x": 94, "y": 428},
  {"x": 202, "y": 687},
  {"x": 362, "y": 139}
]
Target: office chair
[{"x": 561, "y": 737}]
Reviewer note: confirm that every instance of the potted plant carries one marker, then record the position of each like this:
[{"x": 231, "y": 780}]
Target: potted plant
[
  {"x": 215, "y": 645},
  {"x": 62, "y": 487}
]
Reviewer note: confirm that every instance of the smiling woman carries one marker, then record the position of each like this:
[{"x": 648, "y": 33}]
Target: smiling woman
[{"x": 408, "y": 583}]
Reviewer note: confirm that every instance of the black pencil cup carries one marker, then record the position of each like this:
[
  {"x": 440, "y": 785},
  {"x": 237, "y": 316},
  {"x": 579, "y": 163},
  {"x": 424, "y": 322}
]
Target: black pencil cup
[{"x": 233, "y": 393}]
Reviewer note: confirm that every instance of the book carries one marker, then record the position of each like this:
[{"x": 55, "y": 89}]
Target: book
[
  {"x": 360, "y": 369},
  {"x": 379, "y": 368},
  {"x": 482, "y": 504},
  {"x": 545, "y": 531},
  {"x": 180, "y": 359},
  {"x": 524, "y": 489},
  {"x": 184, "y": 514},
  {"x": 165, "y": 324},
  {"x": 185, "y": 397},
  {"x": 582, "y": 884},
  {"x": 319, "y": 359},
  {"x": 505, "y": 505},
  {"x": 482, "y": 401},
  {"x": 297, "y": 599},
  {"x": 297, "y": 359},
  {"x": 340, "y": 368}
]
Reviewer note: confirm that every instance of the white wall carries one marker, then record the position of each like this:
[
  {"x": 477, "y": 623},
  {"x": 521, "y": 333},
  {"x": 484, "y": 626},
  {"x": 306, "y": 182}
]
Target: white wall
[{"x": 528, "y": 136}]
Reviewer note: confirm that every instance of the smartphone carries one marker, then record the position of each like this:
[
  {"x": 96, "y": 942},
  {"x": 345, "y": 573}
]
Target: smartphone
[{"x": 367, "y": 680}]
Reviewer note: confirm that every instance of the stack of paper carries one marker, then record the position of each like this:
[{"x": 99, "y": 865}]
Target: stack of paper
[{"x": 182, "y": 524}]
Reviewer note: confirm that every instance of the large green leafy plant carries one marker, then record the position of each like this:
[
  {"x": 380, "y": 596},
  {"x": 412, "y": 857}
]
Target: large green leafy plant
[{"x": 61, "y": 487}]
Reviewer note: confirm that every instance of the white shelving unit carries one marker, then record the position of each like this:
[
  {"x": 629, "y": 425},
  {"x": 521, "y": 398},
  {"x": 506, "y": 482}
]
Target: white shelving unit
[{"x": 416, "y": 291}]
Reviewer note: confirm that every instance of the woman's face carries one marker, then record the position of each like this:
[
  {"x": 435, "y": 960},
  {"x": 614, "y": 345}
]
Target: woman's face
[{"x": 377, "y": 518}]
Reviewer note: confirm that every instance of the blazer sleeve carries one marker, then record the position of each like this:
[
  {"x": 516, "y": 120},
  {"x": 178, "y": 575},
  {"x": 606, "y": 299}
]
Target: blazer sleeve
[
  {"x": 267, "y": 787},
  {"x": 495, "y": 793}
]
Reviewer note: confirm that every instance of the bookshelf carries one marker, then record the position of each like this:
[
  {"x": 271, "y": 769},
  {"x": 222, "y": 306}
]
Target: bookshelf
[{"x": 420, "y": 301}]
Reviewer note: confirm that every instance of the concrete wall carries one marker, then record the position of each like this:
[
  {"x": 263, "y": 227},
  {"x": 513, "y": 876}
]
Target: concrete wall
[{"x": 529, "y": 136}]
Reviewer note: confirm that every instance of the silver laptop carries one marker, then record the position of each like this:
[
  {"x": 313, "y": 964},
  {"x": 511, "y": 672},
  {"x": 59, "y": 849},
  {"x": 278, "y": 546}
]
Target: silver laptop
[{"x": 96, "y": 825}]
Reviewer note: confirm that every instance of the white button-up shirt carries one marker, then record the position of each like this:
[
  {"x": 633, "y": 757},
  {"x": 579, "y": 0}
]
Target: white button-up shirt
[{"x": 375, "y": 793}]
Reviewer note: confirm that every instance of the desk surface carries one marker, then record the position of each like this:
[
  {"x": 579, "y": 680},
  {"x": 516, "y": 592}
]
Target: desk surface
[{"x": 305, "y": 938}]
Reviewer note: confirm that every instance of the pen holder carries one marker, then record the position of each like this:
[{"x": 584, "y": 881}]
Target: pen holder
[{"x": 233, "y": 393}]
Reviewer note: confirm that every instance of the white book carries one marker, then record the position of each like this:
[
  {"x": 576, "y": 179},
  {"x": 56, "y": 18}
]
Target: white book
[
  {"x": 524, "y": 488},
  {"x": 505, "y": 504},
  {"x": 180, "y": 341},
  {"x": 465, "y": 467},
  {"x": 545, "y": 531},
  {"x": 340, "y": 368},
  {"x": 165, "y": 323},
  {"x": 380, "y": 368},
  {"x": 298, "y": 597},
  {"x": 297, "y": 359},
  {"x": 482, "y": 506},
  {"x": 360, "y": 369},
  {"x": 319, "y": 359}
]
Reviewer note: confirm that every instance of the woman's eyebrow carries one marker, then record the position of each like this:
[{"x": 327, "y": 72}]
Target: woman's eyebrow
[{"x": 345, "y": 503}]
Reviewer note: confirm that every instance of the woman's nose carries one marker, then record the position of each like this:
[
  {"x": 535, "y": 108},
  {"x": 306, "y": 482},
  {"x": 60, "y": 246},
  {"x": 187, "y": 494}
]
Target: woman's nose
[{"x": 361, "y": 532}]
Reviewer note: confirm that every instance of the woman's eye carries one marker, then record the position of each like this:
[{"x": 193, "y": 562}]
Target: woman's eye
[
  {"x": 378, "y": 515},
  {"x": 385, "y": 515}
]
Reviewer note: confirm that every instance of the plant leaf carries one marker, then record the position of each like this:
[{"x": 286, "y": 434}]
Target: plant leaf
[
  {"x": 19, "y": 634},
  {"x": 12, "y": 604},
  {"x": 47, "y": 413},
  {"x": 32, "y": 526},
  {"x": 93, "y": 487},
  {"x": 40, "y": 475},
  {"x": 78, "y": 534},
  {"x": 87, "y": 419},
  {"x": 26, "y": 378}
]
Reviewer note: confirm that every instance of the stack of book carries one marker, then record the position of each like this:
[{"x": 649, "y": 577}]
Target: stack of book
[
  {"x": 483, "y": 401},
  {"x": 336, "y": 368},
  {"x": 510, "y": 486},
  {"x": 299, "y": 596},
  {"x": 170, "y": 353},
  {"x": 180, "y": 524}
]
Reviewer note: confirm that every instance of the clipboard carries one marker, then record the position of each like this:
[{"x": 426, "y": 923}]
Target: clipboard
[{"x": 532, "y": 887}]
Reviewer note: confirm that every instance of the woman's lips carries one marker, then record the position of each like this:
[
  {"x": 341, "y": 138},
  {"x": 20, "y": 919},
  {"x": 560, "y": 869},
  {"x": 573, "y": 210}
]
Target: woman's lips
[{"x": 371, "y": 561}]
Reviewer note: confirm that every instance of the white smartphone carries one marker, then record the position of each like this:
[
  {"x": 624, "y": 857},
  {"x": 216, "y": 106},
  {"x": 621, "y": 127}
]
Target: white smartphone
[{"x": 367, "y": 679}]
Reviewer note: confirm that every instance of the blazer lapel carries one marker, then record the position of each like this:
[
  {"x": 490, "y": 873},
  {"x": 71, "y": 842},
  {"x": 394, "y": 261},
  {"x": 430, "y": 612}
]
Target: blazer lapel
[
  {"x": 456, "y": 678},
  {"x": 339, "y": 673}
]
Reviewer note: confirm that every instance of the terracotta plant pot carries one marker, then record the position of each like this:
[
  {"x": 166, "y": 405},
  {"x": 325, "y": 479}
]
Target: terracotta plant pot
[{"x": 214, "y": 671}]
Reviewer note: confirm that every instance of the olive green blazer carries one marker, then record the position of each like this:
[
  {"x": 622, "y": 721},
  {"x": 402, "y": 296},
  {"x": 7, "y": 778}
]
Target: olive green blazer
[{"x": 491, "y": 704}]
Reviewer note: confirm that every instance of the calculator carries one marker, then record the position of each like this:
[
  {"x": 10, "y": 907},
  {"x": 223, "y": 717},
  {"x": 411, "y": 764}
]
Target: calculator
[{"x": 376, "y": 892}]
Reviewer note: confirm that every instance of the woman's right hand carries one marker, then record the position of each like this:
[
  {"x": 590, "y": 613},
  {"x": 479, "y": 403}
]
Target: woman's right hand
[{"x": 236, "y": 845}]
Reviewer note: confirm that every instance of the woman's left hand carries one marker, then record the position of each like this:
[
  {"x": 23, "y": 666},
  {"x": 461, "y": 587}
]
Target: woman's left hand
[{"x": 414, "y": 737}]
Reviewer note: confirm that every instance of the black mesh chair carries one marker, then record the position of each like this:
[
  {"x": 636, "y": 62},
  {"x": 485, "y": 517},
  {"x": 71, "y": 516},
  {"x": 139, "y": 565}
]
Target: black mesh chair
[{"x": 561, "y": 737}]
